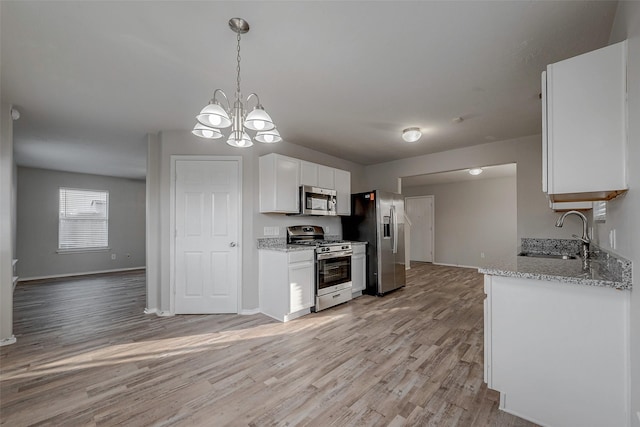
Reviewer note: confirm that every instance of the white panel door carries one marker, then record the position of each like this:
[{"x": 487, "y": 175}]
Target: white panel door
[
  {"x": 206, "y": 250},
  {"x": 420, "y": 212}
]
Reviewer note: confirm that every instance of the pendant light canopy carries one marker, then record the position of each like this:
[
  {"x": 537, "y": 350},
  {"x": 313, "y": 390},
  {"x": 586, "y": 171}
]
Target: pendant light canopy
[{"x": 214, "y": 116}]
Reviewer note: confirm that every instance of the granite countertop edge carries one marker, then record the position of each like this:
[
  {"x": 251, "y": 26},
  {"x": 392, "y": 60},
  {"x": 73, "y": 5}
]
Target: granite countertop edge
[
  {"x": 554, "y": 278},
  {"x": 280, "y": 245}
]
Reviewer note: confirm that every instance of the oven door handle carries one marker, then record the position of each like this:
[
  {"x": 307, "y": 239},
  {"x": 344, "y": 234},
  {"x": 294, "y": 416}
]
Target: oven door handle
[{"x": 330, "y": 255}]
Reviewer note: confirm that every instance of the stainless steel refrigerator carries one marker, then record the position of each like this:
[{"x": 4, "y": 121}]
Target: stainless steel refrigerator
[{"x": 377, "y": 217}]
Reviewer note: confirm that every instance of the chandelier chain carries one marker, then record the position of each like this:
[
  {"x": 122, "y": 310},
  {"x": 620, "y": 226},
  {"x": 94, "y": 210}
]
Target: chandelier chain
[{"x": 238, "y": 94}]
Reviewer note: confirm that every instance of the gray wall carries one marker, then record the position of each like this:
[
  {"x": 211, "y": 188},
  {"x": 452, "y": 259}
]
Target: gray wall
[
  {"x": 38, "y": 198},
  {"x": 7, "y": 209},
  {"x": 535, "y": 219},
  {"x": 623, "y": 214},
  {"x": 169, "y": 143},
  {"x": 473, "y": 217}
]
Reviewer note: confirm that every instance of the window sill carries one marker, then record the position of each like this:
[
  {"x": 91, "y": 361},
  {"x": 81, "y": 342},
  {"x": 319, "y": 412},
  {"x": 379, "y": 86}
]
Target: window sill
[{"x": 82, "y": 250}]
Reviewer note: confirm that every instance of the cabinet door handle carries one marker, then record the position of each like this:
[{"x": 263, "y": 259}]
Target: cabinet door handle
[
  {"x": 336, "y": 295},
  {"x": 232, "y": 244}
]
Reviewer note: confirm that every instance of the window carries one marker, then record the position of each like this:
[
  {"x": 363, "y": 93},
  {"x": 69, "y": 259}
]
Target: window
[
  {"x": 84, "y": 219},
  {"x": 600, "y": 211}
]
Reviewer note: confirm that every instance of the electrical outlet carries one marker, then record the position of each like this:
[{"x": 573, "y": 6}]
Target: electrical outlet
[
  {"x": 113, "y": 257},
  {"x": 271, "y": 231},
  {"x": 481, "y": 254}
]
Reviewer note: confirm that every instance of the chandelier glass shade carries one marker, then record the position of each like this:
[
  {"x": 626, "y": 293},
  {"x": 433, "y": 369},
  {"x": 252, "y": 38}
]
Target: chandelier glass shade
[
  {"x": 215, "y": 116},
  {"x": 268, "y": 136},
  {"x": 206, "y": 132}
]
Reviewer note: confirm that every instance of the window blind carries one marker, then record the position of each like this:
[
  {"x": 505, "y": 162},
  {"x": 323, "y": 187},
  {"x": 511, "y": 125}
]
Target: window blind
[
  {"x": 600, "y": 211},
  {"x": 84, "y": 219}
]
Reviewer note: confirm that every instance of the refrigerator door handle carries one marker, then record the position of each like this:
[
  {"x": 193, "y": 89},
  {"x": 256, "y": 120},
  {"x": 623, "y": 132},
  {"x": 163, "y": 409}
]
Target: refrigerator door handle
[{"x": 394, "y": 236}]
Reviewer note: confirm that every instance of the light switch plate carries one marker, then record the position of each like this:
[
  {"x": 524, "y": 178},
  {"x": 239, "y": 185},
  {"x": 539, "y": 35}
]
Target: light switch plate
[{"x": 612, "y": 238}]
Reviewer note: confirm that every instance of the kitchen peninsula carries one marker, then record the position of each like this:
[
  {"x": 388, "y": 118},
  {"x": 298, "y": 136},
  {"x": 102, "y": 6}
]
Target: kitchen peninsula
[{"x": 557, "y": 335}]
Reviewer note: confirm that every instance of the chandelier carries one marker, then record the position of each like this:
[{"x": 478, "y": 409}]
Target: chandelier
[{"x": 214, "y": 116}]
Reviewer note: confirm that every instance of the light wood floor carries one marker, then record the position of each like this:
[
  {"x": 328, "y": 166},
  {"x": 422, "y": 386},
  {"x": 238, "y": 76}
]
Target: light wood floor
[{"x": 87, "y": 355}]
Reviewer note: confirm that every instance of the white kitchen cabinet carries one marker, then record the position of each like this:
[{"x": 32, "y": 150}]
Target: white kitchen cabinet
[
  {"x": 584, "y": 136},
  {"x": 331, "y": 178},
  {"x": 286, "y": 282},
  {"x": 359, "y": 269},
  {"x": 569, "y": 206},
  {"x": 279, "y": 184},
  {"x": 343, "y": 190},
  {"x": 317, "y": 175},
  {"x": 326, "y": 177},
  {"x": 308, "y": 173},
  {"x": 551, "y": 347}
]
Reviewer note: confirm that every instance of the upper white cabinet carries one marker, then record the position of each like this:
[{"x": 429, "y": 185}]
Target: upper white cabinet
[
  {"x": 279, "y": 188},
  {"x": 308, "y": 173},
  {"x": 326, "y": 177},
  {"x": 584, "y": 136},
  {"x": 279, "y": 184},
  {"x": 343, "y": 189},
  {"x": 317, "y": 175},
  {"x": 570, "y": 206}
]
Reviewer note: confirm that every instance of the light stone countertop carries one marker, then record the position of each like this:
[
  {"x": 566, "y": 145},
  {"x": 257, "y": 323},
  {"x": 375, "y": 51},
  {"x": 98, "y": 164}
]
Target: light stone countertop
[
  {"x": 280, "y": 244},
  {"x": 603, "y": 270}
]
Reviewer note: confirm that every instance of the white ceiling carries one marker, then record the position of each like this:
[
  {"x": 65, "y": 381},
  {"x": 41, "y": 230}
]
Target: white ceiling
[
  {"x": 344, "y": 78},
  {"x": 449, "y": 177}
]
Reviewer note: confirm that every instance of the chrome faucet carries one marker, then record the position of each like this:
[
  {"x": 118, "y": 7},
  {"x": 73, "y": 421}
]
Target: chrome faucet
[{"x": 585, "y": 235}]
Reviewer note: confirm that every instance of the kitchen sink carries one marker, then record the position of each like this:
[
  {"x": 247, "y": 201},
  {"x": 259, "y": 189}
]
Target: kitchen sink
[{"x": 549, "y": 256}]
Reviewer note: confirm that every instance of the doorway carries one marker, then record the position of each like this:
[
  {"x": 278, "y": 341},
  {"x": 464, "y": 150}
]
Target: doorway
[
  {"x": 421, "y": 214},
  {"x": 206, "y": 219}
]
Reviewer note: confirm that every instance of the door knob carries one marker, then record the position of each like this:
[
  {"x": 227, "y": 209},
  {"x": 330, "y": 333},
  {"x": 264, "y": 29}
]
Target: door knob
[{"x": 232, "y": 244}]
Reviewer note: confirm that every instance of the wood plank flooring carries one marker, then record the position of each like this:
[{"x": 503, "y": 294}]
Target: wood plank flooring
[{"x": 87, "y": 355}]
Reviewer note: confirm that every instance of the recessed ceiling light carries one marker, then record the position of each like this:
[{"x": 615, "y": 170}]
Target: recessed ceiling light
[
  {"x": 475, "y": 171},
  {"x": 411, "y": 134}
]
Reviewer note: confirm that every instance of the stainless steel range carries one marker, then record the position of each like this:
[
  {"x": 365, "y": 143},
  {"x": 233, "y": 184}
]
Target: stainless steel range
[{"x": 333, "y": 264}]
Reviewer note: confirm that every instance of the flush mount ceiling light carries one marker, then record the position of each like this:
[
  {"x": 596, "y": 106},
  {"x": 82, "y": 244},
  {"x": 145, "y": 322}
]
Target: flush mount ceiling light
[
  {"x": 215, "y": 116},
  {"x": 411, "y": 134},
  {"x": 475, "y": 171}
]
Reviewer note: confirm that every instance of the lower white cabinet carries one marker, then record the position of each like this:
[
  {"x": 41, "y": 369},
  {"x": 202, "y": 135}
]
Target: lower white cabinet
[
  {"x": 359, "y": 269},
  {"x": 558, "y": 352},
  {"x": 286, "y": 281}
]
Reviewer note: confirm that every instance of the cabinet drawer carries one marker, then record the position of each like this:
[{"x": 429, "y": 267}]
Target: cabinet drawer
[
  {"x": 335, "y": 298},
  {"x": 299, "y": 256}
]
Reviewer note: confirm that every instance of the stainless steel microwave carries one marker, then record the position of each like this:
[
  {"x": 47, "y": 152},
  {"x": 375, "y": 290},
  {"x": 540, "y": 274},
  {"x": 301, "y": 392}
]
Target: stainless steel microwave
[{"x": 317, "y": 201}]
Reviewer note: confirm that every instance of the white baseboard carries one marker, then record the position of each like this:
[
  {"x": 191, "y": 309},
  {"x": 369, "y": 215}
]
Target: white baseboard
[
  {"x": 161, "y": 313},
  {"x": 7, "y": 341},
  {"x": 87, "y": 273},
  {"x": 150, "y": 310},
  {"x": 249, "y": 312},
  {"x": 455, "y": 265}
]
